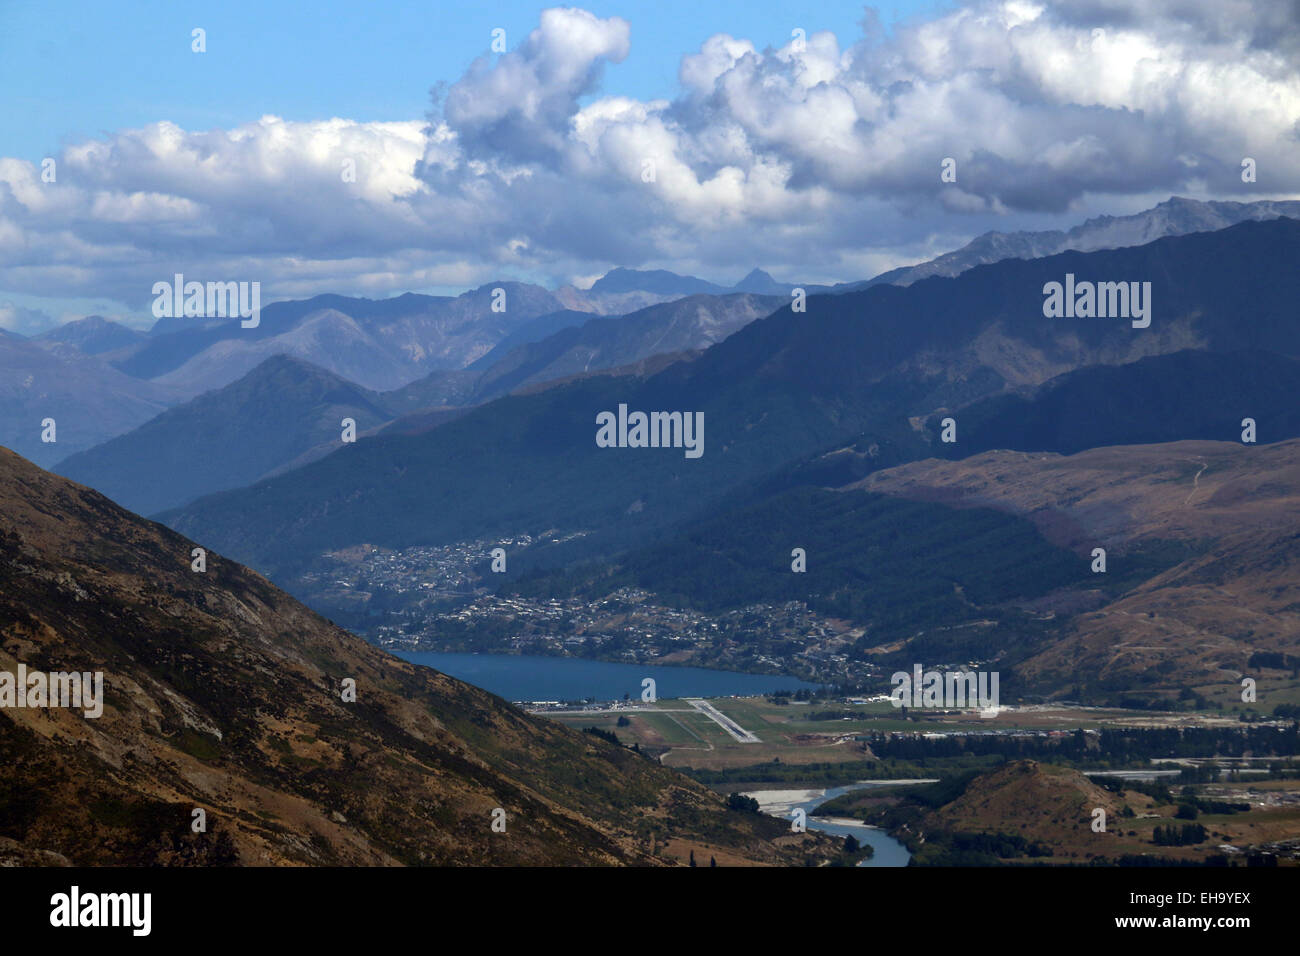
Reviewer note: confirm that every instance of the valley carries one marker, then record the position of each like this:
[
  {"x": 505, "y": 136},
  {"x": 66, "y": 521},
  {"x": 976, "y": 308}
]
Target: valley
[{"x": 921, "y": 471}]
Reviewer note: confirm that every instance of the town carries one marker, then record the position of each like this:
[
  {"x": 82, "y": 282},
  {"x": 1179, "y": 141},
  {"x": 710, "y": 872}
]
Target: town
[{"x": 437, "y": 599}]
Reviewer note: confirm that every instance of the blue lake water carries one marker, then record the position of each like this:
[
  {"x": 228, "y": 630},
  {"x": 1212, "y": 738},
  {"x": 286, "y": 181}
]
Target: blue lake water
[{"x": 523, "y": 677}]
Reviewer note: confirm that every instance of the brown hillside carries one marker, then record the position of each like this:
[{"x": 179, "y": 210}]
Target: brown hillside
[
  {"x": 1037, "y": 801},
  {"x": 1200, "y": 621}
]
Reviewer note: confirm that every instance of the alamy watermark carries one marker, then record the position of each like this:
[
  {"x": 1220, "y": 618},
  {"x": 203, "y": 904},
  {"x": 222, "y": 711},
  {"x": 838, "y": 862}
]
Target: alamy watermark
[
  {"x": 651, "y": 430},
  {"x": 951, "y": 690},
  {"x": 128, "y": 910},
  {"x": 68, "y": 689},
  {"x": 1099, "y": 300},
  {"x": 213, "y": 300}
]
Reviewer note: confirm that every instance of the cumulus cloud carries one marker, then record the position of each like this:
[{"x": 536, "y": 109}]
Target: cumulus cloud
[
  {"x": 817, "y": 160},
  {"x": 519, "y": 106}
]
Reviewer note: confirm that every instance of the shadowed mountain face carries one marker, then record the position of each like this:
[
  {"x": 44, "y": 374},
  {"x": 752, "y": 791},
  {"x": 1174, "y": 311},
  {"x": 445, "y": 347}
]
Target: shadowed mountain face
[
  {"x": 1187, "y": 394},
  {"x": 221, "y": 693},
  {"x": 778, "y": 390},
  {"x": 227, "y": 438}
]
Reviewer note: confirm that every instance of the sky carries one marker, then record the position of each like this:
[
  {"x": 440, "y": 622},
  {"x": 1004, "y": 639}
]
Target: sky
[{"x": 380, "y": 148}]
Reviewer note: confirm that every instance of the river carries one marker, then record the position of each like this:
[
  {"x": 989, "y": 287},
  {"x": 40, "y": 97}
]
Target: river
[{"x": 780, "y": 803}]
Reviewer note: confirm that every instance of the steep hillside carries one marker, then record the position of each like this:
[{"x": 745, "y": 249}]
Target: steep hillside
[
  {"x": 221, "y": 693},
  {"x": 533, "y": 330},
  {"x": 687, "y": 324}
]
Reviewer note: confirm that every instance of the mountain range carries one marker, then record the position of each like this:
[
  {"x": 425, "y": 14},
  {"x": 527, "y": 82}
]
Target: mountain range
[
  {"x": 391, "y": 343},
  {"x": 692, "y": 323},
  {"x": 862, "y": 383},
  {"x": 780, "y": 389},
  {"x": 95, "y": 335},
  {"x": 1175, "y": 216},
  {"x": 286, "y": 410}
]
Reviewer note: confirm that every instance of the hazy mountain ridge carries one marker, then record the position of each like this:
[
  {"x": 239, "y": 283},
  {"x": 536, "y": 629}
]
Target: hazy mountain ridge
[
  {"x": 1182, "y": 395},
  {"x": 385, "y": 344},
  {"x": 94, "y": 335},
  {"x": 381, "y": 344},
  {"x": 226, "y": 438},
  {"x": 687, "y": 324},
  {"x": 249, "y": 431},
  {"x": 88, "y": 400}
]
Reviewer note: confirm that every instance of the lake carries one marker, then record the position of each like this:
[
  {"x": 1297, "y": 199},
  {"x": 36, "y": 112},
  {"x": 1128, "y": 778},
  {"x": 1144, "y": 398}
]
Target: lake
[
  {"x": 528, "y": 678},
  {"x": 779, "y": 803}
]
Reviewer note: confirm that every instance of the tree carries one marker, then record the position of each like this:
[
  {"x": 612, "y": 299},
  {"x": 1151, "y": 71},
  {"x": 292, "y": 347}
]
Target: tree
[
  {"x": 713, "y": 861},
  {"x": 851, "y": 844},
  {"x": 692, "y": 858},
  {"x": 738, "y": 801}
]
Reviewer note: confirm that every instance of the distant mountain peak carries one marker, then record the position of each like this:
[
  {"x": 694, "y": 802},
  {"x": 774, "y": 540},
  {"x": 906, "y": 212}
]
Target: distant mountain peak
[
  {"x": 93, "y": 335},
  {"x": 653, "y": 280},
  {"x": 762, "y": 283}
]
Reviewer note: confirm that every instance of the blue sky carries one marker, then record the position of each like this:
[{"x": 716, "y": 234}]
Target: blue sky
[{"x": 92, "y": 68}]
